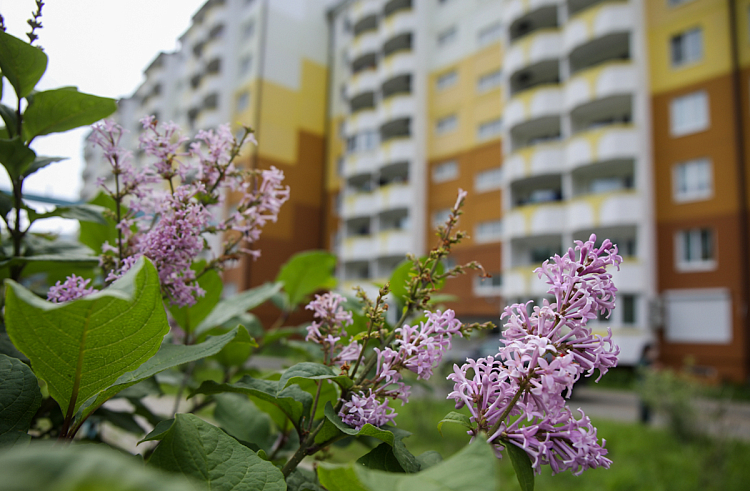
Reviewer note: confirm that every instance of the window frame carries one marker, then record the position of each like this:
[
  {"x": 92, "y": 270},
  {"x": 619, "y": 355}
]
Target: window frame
[
  {"x": 446, "y": 124},
  {"x": 684, "y": 44},
  {"x": 439, "y": 169},
  {"x": 689, "y": 128},
  {"x": 695, "y": 242},
  {"x": 680, "y": 195}
]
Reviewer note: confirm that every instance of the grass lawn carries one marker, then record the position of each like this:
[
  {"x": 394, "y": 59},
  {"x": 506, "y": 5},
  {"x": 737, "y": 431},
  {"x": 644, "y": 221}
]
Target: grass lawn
[{"x": 644, "y": 458}]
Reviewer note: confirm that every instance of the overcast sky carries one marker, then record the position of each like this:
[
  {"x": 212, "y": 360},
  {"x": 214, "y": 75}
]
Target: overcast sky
[{"x": 100, "y": 46}]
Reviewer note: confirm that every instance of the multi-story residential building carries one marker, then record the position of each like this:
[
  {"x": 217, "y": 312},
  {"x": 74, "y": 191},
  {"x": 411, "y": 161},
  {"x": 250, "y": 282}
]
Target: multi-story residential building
[{"x": 561, "y": 118}]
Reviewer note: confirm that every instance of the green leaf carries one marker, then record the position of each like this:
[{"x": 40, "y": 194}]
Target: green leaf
[
  {"x": 238, "y": 416},
  {"x": 20, "y": 396},
  {"x": 237, "y": 305},
  {"x": 10, "y": 118},
  {"x": 471, "y": 468},
  {"x": 303, "y": 480},
  {"x": 306, "y": 273},
  {"x": 238, "y": 350},
  {"x": 94, "y": 235},
  {"x": 189, "y": 317},
  {"x": 381, "y": 458},
  {"x": 293, "y": 402},
  {"x": 168, "y": 356},
  {"x": 333, "y": 427},
  {"x": 22, "y": 64},
  {"x": 202, "y": 451},
  {"x": 42, "y": 466},
  {"x": 429, "y": 459},
  {"x": 6, "y": 204},
  {"x": 81, "y": 347},
  {"x": 121, "y": 419},
  {"x": 522, "y": 465},
  {"x": 58, "y": 110},
  {"x": 83, "y": 213},
  {"x": 399, "y": 279},
  {"x": 457, "y": 418},
  {"x": 42, "y": 162},
  {"x": 15, "y": 156},
  {"x": 312, "y": 371}
]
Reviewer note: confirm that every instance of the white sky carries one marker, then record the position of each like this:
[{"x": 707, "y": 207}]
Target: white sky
[{"x": 100, "y": 46}]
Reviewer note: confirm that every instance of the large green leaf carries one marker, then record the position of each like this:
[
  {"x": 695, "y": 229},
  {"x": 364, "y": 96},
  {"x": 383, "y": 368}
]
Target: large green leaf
[
  {"x": 40, "y": 163},
  {"x": 58, "y": 110},
  {"x": 293, "y": 402},
  {"x": 305, "y": 273},
  {"x": 237, "y": 305},
  {"x": 522, "y": 465},
  {"x": 42, "y": 466},
  {"x": 22, "y": 64},
  {"x": 472, "y": 468},
  {"x": 83, "y": 213},
  {"x": 20, "y": 396},
  {"x": 456, "y": 418},
  {"x": 10, "y": 118},
  {"x": 238, "y": 350},
  {"x": 312, "y": 371},
  {"x": 15, "y": 156},
  {"x": 168, "y": 356},
  {"x": 190, "y": 317},
  {"x": 237, "y": 415},
  {"x": 203, "y": 452},
  {"x": 81, "y": 347}
]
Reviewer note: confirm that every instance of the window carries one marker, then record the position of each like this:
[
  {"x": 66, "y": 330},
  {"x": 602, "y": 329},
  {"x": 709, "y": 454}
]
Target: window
[
  {"x": 489, "y": 81},
  {"x": 363, "y": 142},
  {"x": 445, "y": 171},
  {"x": 447, "y": 80},
  {"x": 488, "y": 286},
  {"x": 243, "y": 101},
  {"x": 695, "y": 250},
  {"x": 689, "y": 113},
  {"x": 447, "y": 36},
  {"x": 489, "y": 231},
  {"x": 488, "y": 180},
  {"x": 692, "y": 180},
  {"x": 698, "y": 316},
  {"x": 440, "y": 217},
  {"x": 628, "y": 306},
  {"x": 676, "y": 3},
  {"x": 490, "y": 34},
  {"x": 248, "y": 29},
  {"x": 490, "y": 129},
  {"x": 246, "y": 62},
  {"x": 687, "y": 47},
  {"x": 446, "y": 124}
]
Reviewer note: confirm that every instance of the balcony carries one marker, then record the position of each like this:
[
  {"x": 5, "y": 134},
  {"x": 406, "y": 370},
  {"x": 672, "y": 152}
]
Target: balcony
[
  {"x": 366, "y": 43},
  {"x": 358, "y": 204},
  {"x": 399, "y": 63},
  {"x": 596, "y": 22},
  {"x": 533, "y": 161},
  {"x": 632, "y": 276},
  {"x": 396, "y": 107},
  {"x": 535, "y": 219},
  {"x": 513, "y": 10},
  {"x": 605, "y": 210},
  {"x": 606, "y": 80},
  {"x": 361, "y": 83},
  {"x": 615, "y": 142},
  {"x": 394, "y": 243},
  {"x": 363, "y": 9},
  {"x": 360, "y": 163},
  {"x": 401, "y": 22},
  {"x": 397, "y": 150},
  {"x": 542, "y": 45},
  {"x": 539, "y": 102},
  {"x": 392, "y": 196},
  {"x": 357, "y": 248},
  {"x": 523, "y": 282},
  {"x": 361, "y": 121}
]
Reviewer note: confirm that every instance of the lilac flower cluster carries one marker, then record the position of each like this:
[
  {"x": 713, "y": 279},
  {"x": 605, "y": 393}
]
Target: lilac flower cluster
[
  {"x": 72, "y": 288},
  {"x": 168, "y": 227},
  {"x": 517, "y": 396},
  {"x": 419, "y": 349},
  {"x": 329, "y": 328}
]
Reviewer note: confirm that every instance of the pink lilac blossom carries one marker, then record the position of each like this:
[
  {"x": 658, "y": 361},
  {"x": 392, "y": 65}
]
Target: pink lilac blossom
[
  {"x": 163, "y": 142},
  {"x": 364, "y": 409},
  {"x": 72, "y": 288},
  {"x": 419, "y": 349},
  {"x": 544, "y": 353},
  {"x": 328, "y": 329}
]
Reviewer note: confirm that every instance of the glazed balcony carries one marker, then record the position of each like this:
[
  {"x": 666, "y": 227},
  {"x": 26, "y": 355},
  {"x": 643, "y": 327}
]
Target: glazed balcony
[
  {"x": 393, "y": 242},
  {"x": 358, "y": 248},
  {"x": 401, "y": 22},
  {"x": 515, "y": 10},
  {"x": 615, "y": 142},
  {"x": 359, "y": 163},
  {"x": 605, "y": 80},
  {"x": 396, "y": 107},
  {"x": 535, "y": 219},
  {"x": 396, "y": 150},
  {"x": 603, "y": 20},
  {"x": 361, "y": 121},
  {"x": 545, "y": 158},
  {"x": 362, "y": 83},
  {"x": 537, "y": 103},
  {"x": 358, "y": 205},
  {"x": 364, "y": 44},
  {"x": 391, "y": 197},
  {"x": 363, "y": 9},
  {"x": 617, "y": 208},
  {"x": 540, "y": 46},
  {"x": 399, "y": 63}
]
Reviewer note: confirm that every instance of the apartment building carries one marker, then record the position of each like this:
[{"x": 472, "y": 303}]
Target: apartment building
[{"x": 561, "y": 118}]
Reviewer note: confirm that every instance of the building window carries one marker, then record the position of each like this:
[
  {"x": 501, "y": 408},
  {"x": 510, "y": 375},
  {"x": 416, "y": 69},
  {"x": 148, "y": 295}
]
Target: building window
[
  {"x": 489, "y": 231},
  {"x": 488, "y": 286},
  {"x": 447, "y": 36},
  {"x": 243, "y": 101},
  {"x": 676, "y": 3},
  {"x": 692, "y": 180},
  {"x": 489, "y": 81},
  {"x": 689, "y": 113},
  {"x": 446, "y": 124},
  {"x": 363, "y": 142},
  {"x": 490, "y": 129},
  {"x": 490, "y": 34},
  {"x": 445, "y": 171},
  {"x": 695, "y": 250},
  {"x": 248, "y": 29},
  {"x": 246, "y": 62},
  {"x": 687, "y": 47},
  {"x": 440, "y": 217},
  {"x": 698, "y": 315},
  {"x": 447, "y": 80},
  {"x": 628, "y": 305},
  {"x": 488, "y": 180}
]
